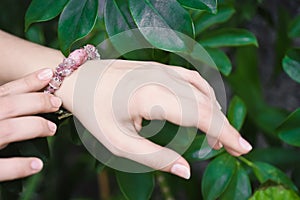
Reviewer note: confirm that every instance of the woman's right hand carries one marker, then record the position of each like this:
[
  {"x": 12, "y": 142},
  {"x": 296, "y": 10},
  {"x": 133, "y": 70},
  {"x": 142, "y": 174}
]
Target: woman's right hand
[
  {"x": 113, "y": 96},
  {"x": 19, "y": 102}
]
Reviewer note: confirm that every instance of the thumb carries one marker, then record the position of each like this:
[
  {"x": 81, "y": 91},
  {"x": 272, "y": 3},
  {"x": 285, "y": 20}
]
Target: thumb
[{"x": 13, "y": 168}]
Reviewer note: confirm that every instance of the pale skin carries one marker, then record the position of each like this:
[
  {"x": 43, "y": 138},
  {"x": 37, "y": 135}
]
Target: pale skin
[{"x": 23, "y": 74}]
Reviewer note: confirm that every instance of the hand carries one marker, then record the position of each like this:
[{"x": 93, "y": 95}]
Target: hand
[
  {"x": 113, "y": 96},
  {"x": 19, "y": 102}
]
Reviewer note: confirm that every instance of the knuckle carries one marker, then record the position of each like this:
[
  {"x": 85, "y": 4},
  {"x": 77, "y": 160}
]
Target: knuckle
[
  {"x": 7, "y": 128},
  {"x": 7, "y": 107},
  {"x": 28, "y": 82},
  {"x": 4, "y": 90},
  {"x": 43, "y": 128},
  {"x": 44, "y": 101},
  {"x": 194, "y": 74}
]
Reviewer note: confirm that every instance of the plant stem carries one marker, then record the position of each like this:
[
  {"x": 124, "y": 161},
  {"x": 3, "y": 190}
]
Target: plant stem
[
  {"x": 164, "y": 187},
  {"x": 246, "y": 161},
  {"x": 31, "y": 187},
  {"x": 104, "y": 188}
]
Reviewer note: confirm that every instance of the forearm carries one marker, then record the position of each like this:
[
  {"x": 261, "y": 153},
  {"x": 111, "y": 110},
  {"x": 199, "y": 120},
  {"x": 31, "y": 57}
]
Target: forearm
[{"x": 20, "y": 57}]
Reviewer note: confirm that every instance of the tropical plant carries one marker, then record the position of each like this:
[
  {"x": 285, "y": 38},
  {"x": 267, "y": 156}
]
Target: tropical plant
[{"x": 270, "y": 170}]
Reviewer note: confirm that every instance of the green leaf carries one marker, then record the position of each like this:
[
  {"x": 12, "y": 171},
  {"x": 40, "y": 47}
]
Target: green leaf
[
  {"x": 265, "y": 117},
  {"x": 118, "y": 20},
  {"x": 221, "y": 60},
  {"x": 275, "y": 156},
  {"x": 76, "y": 21},
  {"x": 35, "y": 34},
  {"x": 291, "y": 64},
  {"x": 205, "y": 20},
  {"x": 239, "y": 187},
  {"x": 289, "y": 130},
  {"x": 158, "y": 21},
  {"x": 136, "y": 186},
  {"x": 39, "y": 11},
  {"x": 237, "y": 112},
  {"x": 217, "y": 176},
  {"x": 208, "y": 5},
  {"x": 117, "y": 17},
  {"x": 199, "y": 151},
  {"x": 228, "y": 37},
  {"x": 265, "y": 172},
  {"x": 275, "y": 193},
  {"x": 294, "y": 28},
  {"x": 35, "y": 148}
]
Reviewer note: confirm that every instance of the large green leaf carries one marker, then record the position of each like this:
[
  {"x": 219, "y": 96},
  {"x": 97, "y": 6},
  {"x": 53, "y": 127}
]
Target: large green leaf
[
  {"x": 221, "y": 60},
  {"x": 275, "y": 193},
  {"x": 159, "y": 20},
  {"x": 135, "y": 186},
  {"x": 265, "y": 172},
  {"x": 239, "y": 187},
  {"x": 199, "y": 150},
  {"x": 117, "y": 17},
  {"x": 76, "y": 21},
  {"x": 118, "y": 20},
  {"x": 294, "y": 28},
  {"x": 228, "y": 37},
  {"x": 217, "y": 176},
  {"x": 291, "y": 64},
  {"x": 204, "y": 20},
  {"x": 39, "y": 11},
  {"x": 289, "y": 130},
  {"x": 237, "y": 112},
  {"x": 209, "y": 5}
]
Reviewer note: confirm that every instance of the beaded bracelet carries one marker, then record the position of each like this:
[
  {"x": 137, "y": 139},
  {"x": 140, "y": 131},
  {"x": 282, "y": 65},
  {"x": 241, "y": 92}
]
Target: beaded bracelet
[{"x": 70, "y": 64}]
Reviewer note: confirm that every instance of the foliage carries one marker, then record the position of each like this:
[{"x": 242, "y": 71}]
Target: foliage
[{"x": 219, "y": 27}]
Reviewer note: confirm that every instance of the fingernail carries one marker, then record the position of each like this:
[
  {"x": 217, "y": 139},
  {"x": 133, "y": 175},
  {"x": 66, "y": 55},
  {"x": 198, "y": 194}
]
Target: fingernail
[
  {"x": 245, "y": 144},
  {"x": 56, "y": 102},
  {"x": 52, "y": 126},
  {"x": 36, "y": 164},
  {"x": 45, "y": 74},
  {"x": 220, "y": 145},
  {"x": 181, "y": 170}
]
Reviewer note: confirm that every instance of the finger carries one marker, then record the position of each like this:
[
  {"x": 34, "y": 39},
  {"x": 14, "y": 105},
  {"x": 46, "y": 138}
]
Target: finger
[
  {"x": 13, "y": 168},
  {"x": 194, "y": 78},
  {"x": 143, "y": 151},
  {"x": 28, "y": 104},
  {"x": 214, "y": 143},
  {"x": 32, "y": 82},
  {"x": 233, "y": 142},
  {"x": 23, "y": 128},
  {"x": 217, "y": 126}
]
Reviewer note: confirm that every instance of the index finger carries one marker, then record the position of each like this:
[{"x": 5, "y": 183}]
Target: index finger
[{"x": 30, "y": 83}]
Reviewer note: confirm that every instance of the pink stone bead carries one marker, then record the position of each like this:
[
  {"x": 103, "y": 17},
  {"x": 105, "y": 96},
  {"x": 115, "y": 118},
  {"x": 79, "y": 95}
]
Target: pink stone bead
[
  {"x": 55, "y": 82},
  {"x": 92, "y": 52},
  {"x": 79, "y": 56},
  {"x": 70, "y": 64}
]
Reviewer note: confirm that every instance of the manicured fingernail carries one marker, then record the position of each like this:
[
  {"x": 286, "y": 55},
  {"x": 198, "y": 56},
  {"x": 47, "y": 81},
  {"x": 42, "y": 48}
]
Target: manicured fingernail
[
  {"x": 52, "y": 126},
  {"x": 36, "y": 164},
  {"x": 220, "y": 145},
  {"x": 56, "y": 102},
  {"x": 181, "y": 170},
  {"x": 245, "y": 144},
  {"x": 45, "y": 74}
]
